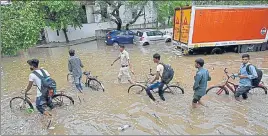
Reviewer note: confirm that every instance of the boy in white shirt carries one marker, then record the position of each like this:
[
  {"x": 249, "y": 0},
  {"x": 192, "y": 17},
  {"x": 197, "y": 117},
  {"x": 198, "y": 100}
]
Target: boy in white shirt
[
  {"x": 158, "y": 75},
  {"x": 41, "y": 99}
]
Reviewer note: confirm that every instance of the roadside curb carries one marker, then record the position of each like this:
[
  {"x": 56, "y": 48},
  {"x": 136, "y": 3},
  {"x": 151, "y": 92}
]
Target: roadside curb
[{"x": 64, "y": 44}]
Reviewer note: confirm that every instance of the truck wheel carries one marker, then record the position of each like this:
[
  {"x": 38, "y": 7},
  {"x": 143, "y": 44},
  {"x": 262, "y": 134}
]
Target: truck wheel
[
  {"x": 116, "y": 45},
  {"x": 216, "y": 51},
  {"x": 190, "y": 52}
]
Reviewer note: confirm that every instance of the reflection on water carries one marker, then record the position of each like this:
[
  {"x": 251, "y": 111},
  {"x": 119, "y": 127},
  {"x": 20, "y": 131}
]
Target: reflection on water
[{"x": 103, "y": 113}]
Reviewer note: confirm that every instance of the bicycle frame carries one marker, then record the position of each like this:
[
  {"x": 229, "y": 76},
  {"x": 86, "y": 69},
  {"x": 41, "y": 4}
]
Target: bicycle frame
[
  {"x": 228, "y": 85},
  {"x": 147, "y": 80},
  {"x": 26, "y": 97}
]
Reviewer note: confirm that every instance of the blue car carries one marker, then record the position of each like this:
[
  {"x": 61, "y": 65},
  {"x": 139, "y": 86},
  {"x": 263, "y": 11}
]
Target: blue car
[{"x": 116, "y": 37}]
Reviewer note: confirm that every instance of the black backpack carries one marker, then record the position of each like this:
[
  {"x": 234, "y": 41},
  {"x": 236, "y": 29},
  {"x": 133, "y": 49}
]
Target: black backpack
[
  {"x": 256, "y": 81},
  {"x": 168, "y": 74},
  {"x": 47, "y": 84}
]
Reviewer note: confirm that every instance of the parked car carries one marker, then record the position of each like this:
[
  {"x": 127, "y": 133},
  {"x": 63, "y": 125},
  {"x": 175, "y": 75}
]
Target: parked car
[
  {"x": 116, "y": 37},
  {"x": 146, "y": 37}
]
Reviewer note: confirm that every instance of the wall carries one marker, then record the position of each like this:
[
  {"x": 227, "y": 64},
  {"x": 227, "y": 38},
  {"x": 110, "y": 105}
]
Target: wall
[{"x": 88, "y": 30}]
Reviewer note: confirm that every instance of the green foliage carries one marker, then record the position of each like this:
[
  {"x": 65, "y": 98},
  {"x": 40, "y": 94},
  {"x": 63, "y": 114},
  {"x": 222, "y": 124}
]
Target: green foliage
[
  {"x": 165, "y": 9},
  {"x": 20, "y": 26},
  {"x": 22, "y": 21},
  {"x": 60, "y": 14}
]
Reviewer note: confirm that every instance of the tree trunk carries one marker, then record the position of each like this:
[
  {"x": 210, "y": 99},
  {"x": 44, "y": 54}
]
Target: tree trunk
[
  {"x": 119, "y": 25},
  {"x": 127, "y": 27},
  {"x": 65, "y": 34},
  {"x": 168, "y": 20}
]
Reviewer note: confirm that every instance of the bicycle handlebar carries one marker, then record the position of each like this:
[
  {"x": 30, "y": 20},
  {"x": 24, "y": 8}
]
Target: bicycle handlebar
[{"x": 226, "y": 72}]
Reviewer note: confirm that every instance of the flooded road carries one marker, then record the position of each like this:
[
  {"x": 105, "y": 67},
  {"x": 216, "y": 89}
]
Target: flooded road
[{"x": 104, "y": 112}]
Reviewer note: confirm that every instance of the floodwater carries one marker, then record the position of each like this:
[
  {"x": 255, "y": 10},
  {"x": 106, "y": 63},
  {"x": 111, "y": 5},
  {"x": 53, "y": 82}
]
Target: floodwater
[{"x": 104, "y": 112}]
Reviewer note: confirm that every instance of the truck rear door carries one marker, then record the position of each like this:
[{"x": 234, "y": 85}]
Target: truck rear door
[{"x": 181, "y": 26}]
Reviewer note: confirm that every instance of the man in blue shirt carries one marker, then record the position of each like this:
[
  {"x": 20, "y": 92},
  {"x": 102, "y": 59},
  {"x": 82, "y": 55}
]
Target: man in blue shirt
[
  {"x": 245, "y": 79},
  {"x": 200, "y": 85}
]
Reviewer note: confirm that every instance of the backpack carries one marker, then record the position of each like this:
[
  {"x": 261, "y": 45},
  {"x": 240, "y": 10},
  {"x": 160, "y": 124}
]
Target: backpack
[
  {"x": 48, "y": 85},
  {"x": 168, "y": 74},
  {"x": 256, "y": 81}
]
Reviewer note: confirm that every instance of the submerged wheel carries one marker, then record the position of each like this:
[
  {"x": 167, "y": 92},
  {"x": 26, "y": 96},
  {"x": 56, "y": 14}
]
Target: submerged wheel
[
  {"x": 116, "y": 45},
  {"x": 216, "y": 51},
  {"x": 62, "y": 100},
  {"x": 19, "y": 104},
  {"x": 259, "y": 90},
  {"x": 95, "y": 85},
  {"x": 217, "y": 90},
  {"x": 136, "y": 89},
  {"x": 174, "y": 89}
]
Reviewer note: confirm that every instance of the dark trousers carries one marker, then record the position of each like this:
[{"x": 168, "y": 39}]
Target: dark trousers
[
  {"x": 42, "y": 101},
  {"x": 158, "y": 85},
  {"x": 242, "y": 90}
]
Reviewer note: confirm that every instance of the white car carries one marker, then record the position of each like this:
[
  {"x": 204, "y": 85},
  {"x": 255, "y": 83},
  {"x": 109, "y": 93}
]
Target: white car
[{"x": 147, "y": 37}]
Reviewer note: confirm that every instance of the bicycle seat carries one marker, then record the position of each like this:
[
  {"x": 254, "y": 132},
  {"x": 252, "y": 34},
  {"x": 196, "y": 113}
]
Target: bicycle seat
[{"x": 86, "y": 73}]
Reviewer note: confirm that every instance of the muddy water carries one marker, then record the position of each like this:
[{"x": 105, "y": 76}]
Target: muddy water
[{"x": 104, "y": 112}]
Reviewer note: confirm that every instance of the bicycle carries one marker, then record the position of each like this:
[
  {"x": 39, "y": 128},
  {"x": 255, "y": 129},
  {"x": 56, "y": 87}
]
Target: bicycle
[
  {"x": 91, "y": 81},
  {"x": 232, "y": 86},
  {"x": 173, "y": 89},
  {"x": 24, "y": 102}
]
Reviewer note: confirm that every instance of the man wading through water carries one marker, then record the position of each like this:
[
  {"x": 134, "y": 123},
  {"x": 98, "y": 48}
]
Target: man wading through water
[
  {"x": 200, "y": 85},
  {"x": 75, "y": 68},
  {"x": 125, "y": 65},
  {"x": 246, "y": 74}
]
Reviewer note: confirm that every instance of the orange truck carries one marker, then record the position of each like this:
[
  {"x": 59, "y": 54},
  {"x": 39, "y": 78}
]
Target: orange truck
[{"x": 216, "y": 29}]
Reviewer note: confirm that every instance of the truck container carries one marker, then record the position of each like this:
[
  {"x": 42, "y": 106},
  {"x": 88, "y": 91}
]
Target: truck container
[{"x": 215, "y": 29}]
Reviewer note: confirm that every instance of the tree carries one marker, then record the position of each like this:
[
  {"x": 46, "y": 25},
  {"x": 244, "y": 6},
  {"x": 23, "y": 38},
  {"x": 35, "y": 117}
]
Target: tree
[
  {"x": 21, "y": 23},
  {"x": 165, "y": 9},
  {"x": 60, "y": 14},
  {"x": 137, "y": 8}
]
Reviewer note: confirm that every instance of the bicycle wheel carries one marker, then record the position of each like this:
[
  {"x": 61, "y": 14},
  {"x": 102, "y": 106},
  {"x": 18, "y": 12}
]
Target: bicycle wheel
[
  {"x": 62, "y": 100},
  {"x": 19, "y": 104},
  {"x": 136, "y": 89},
  {"x": 95, "y": 85},
  {"x": 259, "y": 90},
  {"x": 217, "y": 90},
  {"x": 173, "y": 89},
  {"x": 70, "y": 78}
]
